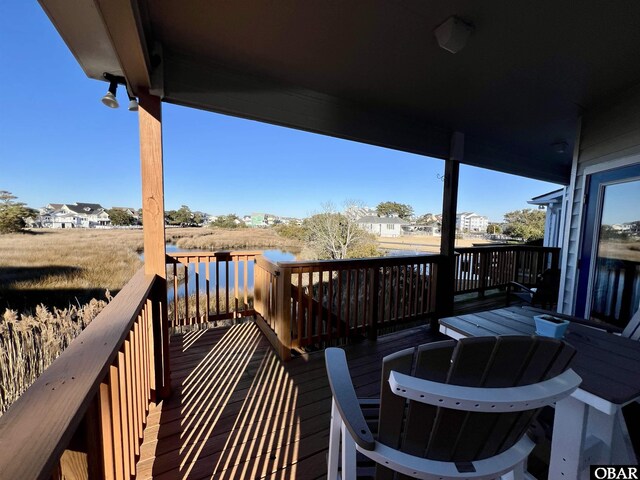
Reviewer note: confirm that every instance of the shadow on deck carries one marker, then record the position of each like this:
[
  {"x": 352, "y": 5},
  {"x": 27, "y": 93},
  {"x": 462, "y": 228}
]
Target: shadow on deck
[{"x": 237, "y": 412}]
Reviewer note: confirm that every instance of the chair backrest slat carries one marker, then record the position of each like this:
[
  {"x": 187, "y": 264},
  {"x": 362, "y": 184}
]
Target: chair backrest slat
[
  {"x": 432, "y": 363},
  {"x": 632, "y": 330},
  {"x": 488, "y": 362},
  {"x": 468, "y": 368},
  {"x": 483, "y": 434},
  {"x": 548, "y": 359},
  {"x": 392, "y": 415}
]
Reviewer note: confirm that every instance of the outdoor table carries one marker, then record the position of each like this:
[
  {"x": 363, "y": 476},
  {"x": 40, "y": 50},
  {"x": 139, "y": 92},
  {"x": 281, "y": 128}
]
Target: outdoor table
[{"x": 589, "y": 428}]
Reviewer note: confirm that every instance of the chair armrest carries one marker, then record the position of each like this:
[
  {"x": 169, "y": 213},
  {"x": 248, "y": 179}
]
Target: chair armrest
[
  {"x": 480, "y": 399},
  {"x": 520, "y": 286},
  {"x": 345, "y": 398}
]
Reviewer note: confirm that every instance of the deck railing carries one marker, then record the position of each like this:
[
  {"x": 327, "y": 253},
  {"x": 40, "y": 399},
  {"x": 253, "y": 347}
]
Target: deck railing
[
  {"x": 617, "y": 290},
  {"x": 482, "y": 268},
  {"x": 209, "y": 286},
  {"x": 84, "y": 416},
  {"x": 304, "y": 303}
]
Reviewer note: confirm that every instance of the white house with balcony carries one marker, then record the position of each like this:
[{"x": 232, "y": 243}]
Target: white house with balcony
[{"x": 69, "y": 215}]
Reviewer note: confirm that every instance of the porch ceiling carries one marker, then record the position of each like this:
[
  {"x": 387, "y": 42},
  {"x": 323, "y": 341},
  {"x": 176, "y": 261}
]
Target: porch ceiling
[{"x": 371, "y": 70}]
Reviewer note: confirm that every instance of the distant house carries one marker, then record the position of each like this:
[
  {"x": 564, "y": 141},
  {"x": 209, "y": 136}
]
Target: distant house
[
  {"x": 382, "y": 226},
  {"x": 471, "y": 222},
  {"x": 289, "y": 221},
  {"x": 62, "y": 219},
  {"x": 90, "y": 215},
  {"x": 129, "y": 210},
  {"x": 263, "y": 220},
  {"x": 68, "y": 215},
  {"x": 554, "y": 221}
]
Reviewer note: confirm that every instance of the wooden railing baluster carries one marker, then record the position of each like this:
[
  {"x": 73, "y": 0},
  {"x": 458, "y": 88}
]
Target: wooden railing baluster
[
  {"x": 106, "y": 432},
  {"x": 116, "y": 422},
  {"x": 196, "y": 269},
  {"x": 197, "y": 295},
  {"x": 482, "y": 268}
]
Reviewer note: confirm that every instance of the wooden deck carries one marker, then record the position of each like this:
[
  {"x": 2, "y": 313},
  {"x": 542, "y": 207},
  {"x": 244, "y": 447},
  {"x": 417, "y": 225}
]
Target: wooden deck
[{"x": 237, "y": 412}]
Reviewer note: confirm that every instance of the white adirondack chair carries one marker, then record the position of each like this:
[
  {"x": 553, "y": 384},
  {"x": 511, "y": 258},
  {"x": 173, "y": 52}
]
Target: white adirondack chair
[{"x": 448, "y": 410}]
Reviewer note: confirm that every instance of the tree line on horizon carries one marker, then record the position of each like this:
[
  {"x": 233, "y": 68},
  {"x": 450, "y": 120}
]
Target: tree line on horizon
[{"x": 527, "y": 224}]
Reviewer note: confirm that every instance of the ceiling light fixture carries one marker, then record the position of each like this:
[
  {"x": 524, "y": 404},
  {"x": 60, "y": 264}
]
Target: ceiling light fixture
[
  {"x": 452, "y": 34},
  {"x": 109, "y": 98},
  {"x": 133, "y": 104},
  {"x": 560, "y": 146}
]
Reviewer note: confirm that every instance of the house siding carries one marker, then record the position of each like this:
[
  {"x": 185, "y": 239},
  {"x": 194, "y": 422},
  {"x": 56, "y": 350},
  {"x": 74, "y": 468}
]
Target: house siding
[{"x": 609, "y": 138}]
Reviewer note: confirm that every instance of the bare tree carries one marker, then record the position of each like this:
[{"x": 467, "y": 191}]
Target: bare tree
[{"x": 334, "y": 235}]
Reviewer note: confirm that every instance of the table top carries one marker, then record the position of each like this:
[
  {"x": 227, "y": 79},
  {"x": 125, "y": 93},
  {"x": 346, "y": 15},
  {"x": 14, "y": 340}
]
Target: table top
[{"x": 608, "y": 364}]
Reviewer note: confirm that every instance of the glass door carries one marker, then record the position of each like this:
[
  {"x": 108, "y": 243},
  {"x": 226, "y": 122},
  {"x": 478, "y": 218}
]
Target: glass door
[{"x": 609, "y": 279}]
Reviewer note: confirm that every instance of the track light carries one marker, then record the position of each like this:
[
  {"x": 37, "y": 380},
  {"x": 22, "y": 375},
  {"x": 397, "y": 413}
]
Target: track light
[
  {"x": 133, "y": 104},
  {"x": 110, "y": 99}
]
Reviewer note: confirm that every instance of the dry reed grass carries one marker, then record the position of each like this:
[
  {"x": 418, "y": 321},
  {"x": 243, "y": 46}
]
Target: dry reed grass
[
  {"x": 235, "y": 305},
  {"x": 66, "y": 267},
  {"x": 65, "y": 264},
  {"x": 222, "y": 238},
  {"x": 30, "y": 343},
  {"x": 75, "y": 265}
]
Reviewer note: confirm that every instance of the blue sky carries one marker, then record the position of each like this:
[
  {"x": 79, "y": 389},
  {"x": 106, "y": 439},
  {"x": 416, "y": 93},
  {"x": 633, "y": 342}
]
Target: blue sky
[{"x": 59, "y": 144}]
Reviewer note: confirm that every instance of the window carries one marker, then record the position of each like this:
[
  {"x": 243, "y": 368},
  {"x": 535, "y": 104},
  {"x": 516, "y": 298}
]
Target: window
[{"x": 390, "y": 226}]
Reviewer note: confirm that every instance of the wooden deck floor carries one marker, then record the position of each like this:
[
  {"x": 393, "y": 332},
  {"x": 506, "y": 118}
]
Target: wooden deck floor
[{"x": 238, "y": 413}]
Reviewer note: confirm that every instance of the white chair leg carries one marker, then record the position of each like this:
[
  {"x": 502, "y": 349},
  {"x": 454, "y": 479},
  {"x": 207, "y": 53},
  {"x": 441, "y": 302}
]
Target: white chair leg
[
  {"x": 518, "y": 473},
  {"x": 348, "y": 455},
  {"x": 334, "y": 443}
]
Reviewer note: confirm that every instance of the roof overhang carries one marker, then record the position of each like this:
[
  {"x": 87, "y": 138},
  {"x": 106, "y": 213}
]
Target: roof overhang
[
  {"x": 548, "y": 198},
  {"x": 372, "y": 72}
]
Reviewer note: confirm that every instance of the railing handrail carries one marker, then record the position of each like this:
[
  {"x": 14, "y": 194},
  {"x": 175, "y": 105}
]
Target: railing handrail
[
  {"x": 268, "y": 265},
  {"x": 37, "y": 428},
  {"x": 365, "y": 262},
  {"x": 172, "y": 257}
]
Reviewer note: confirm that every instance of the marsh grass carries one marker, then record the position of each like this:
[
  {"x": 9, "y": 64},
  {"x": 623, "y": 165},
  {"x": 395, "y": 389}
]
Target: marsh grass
[
  {"x": 237, "y": 307},
  {"x": 223, "y": 238},
  {"x": 66, "y": 269},
  {"x": 30, "y": 343},
  {"x": 62, "y": 267}
]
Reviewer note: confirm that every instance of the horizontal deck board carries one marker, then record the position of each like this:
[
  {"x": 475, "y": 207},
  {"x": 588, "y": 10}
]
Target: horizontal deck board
[{"x": 237, "y": 412}]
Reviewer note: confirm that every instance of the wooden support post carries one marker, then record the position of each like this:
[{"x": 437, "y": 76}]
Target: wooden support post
[
  {"x": 446, "y": 270},
  {"x": 283, "y": 313},
  {"x": 150, "y": 118}
]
